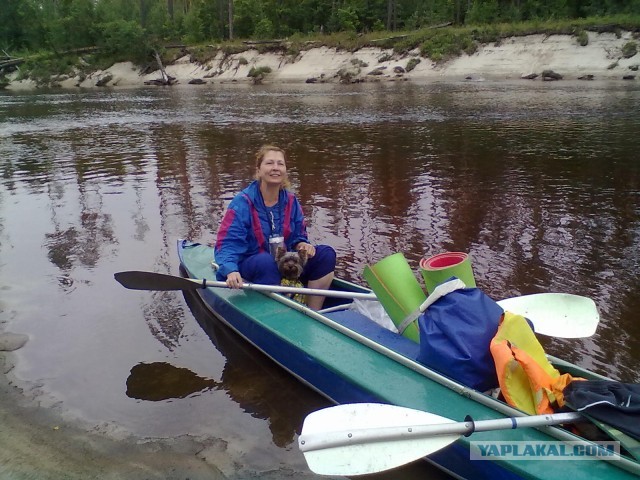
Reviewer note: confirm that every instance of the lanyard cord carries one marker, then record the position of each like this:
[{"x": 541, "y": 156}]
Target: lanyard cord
[{"x": 273, "y": 221}]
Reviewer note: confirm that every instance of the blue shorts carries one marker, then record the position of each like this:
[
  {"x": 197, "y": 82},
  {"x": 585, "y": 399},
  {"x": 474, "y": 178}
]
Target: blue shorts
[{"x": 262, "y": 268}]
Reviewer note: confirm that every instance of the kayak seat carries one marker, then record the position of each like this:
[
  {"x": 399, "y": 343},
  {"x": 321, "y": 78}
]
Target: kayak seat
[{"x": 366, "y": 327}]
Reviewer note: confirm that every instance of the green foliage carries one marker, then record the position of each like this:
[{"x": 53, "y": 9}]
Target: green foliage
[
  {"x": 123, "y": 40},
  {"x": 256, "y": 72},
  {"x": 483, "y": 12},
  {"x": 264, "y": 29},
  {"x": 629, "y": 49},
  {"x": 444, "y": 44},
  {"x": 345, "y": 19},
  {"x": 43, "y": 68},
  {"x": 582, "y": 38},
  {"x": 412, "y": 63}
]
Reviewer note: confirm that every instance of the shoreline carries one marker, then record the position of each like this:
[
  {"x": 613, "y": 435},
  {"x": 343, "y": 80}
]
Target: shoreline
[
  {"x": 40, "y": 440},
  {"x": 511, "y": 58}
]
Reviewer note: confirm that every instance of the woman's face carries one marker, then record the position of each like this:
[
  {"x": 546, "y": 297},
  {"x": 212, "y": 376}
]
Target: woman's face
[{"x": 273, "y": 169}]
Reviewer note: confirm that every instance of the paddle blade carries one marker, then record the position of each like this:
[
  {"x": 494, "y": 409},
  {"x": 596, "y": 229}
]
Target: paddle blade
[
  {"x": 362, "y": 438},
  {"x": 155, "y": 281},
  {"x": 556, "y": 314}
]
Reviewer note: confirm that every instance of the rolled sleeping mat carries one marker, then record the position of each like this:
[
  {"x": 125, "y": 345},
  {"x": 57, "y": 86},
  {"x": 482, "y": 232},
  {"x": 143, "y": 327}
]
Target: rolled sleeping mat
[
  {"x": 439, "y": 268},
  {"x": 397, "y": 289}
]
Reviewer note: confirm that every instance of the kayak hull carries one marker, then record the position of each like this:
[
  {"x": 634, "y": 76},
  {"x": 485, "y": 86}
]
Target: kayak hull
[{"x": 349, "y": 359}]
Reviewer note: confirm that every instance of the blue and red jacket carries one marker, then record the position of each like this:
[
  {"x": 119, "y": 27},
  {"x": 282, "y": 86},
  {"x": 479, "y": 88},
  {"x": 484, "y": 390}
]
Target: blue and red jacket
[{"x": 247, "y": 225}]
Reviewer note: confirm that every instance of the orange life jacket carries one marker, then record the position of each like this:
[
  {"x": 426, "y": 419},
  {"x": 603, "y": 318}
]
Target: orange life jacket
[{"x": 527, "y": 380}]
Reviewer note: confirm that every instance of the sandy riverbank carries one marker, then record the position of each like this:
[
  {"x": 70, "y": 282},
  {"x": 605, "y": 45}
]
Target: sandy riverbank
[
  {"x": 512, "y": 58},
  {"x": 37, "y": 441}
]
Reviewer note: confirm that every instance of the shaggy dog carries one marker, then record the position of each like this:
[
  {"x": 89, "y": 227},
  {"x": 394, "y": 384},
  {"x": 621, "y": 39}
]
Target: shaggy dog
[{"x": 290, "y": 266}]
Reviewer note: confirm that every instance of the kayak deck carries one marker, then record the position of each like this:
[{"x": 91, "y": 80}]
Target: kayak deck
[{"x": 348, "y": 358}]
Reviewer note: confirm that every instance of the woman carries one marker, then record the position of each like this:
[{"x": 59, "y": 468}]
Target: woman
[{"x": 264, "y": 215}]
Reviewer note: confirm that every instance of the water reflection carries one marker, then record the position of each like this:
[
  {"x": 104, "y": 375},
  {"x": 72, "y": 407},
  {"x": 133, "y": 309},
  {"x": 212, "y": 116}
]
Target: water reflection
[
  {"x": 159, "y": 381},
  {"x": 538, "y": 182},
  {"x": 258, "y": 386}
]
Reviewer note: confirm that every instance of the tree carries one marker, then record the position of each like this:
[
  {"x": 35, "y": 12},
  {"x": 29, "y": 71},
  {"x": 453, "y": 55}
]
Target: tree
[
  {"x": 230, "y": 19},
  {"x": 391, "y": 14}
]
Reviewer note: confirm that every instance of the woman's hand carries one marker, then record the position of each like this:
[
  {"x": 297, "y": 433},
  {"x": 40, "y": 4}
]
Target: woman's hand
[
  {"x": 234, "y": 280},
  {"x": 310, "y": 249}
]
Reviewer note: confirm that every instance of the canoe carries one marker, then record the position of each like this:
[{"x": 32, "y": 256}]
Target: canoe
[{"x": 348, "y": 358}]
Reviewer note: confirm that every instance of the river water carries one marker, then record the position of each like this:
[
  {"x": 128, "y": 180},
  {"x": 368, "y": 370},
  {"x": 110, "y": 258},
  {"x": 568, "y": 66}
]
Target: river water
[{"x": 539, "y": 182}]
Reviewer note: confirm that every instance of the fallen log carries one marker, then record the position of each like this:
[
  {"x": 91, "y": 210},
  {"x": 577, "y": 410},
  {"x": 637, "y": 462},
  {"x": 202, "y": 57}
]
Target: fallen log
[
  {"x": 11, "y": 63},
  {"x": 398, "y": 37},
  {"x": 264, "y": 42},
  {"x": 166, "y": 78}
]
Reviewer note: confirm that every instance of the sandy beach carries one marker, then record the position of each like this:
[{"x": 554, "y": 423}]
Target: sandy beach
[
  {"x": 38, "y": 441},
  {"x": 512, "y": 58}
]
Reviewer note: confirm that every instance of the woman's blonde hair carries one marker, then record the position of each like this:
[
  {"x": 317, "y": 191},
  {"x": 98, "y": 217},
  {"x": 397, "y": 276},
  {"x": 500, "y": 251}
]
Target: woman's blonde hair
[{"x": 260, "y": 154}]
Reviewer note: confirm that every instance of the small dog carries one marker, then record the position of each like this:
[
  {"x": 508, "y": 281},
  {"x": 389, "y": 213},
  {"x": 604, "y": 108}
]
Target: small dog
[{"x": 290, "y": 264}]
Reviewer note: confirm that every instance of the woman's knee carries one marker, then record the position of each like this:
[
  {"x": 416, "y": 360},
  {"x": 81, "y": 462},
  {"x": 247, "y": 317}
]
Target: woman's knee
[
  {"x": 260, "y": 268},
  {"x": 321, "y": 264}
]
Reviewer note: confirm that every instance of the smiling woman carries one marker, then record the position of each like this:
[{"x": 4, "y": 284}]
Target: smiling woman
[{"x": 263, "y": 217}]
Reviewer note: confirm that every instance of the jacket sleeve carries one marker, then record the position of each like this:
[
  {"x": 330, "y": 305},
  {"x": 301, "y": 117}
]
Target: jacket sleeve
[
  {"x": 232, "y": 241},
  {"x": 298, "y": 225}
]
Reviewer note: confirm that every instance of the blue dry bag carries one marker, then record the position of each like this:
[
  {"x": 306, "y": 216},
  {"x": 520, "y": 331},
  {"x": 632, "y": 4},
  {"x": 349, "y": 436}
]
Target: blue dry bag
[{"x": 455, "y": 334}]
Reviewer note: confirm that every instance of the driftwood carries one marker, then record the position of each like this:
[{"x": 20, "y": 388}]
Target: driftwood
[
  {"x": 165, "y": 79},
  {"x": 395, "y": 37},
  {"x": 398, "y": 37},
  {"x": 80, "y": 50},
  {"x": 14, "y": 62},
  {"x": 264, "y": 42}
]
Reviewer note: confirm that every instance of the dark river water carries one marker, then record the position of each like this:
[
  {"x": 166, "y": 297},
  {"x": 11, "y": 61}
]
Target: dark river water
[{"x": 539, "y": 182}]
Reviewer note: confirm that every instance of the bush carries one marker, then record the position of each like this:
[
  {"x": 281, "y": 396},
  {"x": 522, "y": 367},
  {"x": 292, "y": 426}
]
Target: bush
[
  {"x": 629, "y": 49},
  {"x": 411, "y": 64},
  {"x": 446, "y": 44},
  {"x": 483, "y": 12},
  {"x": 256, "y": 72},
  {"x": 264, "y": 29},
  {"x": 582, "y": 38},
  {"x": 123, "y": 40},
  {"x": 42, "y": 69}
]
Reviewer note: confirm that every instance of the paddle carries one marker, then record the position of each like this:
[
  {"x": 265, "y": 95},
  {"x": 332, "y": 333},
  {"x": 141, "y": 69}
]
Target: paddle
[
  {"x": 158, "y": 281},
  {"x": 361, "y": 438},
  {"x": 561, "y": 315},
  {"x": 556, "y": 314}
]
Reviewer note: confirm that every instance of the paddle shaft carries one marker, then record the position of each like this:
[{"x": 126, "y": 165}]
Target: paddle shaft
[
  {"x": 588, "y": 319},
  {"x": 136, "y": 280},
  {"x": 325, "y": 440}
]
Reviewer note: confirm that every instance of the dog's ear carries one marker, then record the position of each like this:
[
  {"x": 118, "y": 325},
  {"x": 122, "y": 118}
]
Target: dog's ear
[
  {"x": 280, "y": 251},
  {"x": 303, "y": 257}
]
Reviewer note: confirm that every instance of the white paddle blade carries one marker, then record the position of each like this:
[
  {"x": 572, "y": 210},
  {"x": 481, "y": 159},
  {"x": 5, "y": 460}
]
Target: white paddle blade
[
  {"x": 556, "y": 314},
  {"x": 362, "y": 438}
]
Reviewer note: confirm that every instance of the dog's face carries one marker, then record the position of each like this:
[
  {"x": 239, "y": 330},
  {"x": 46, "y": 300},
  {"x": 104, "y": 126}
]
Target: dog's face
[{"x": 290, "y": 264}]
